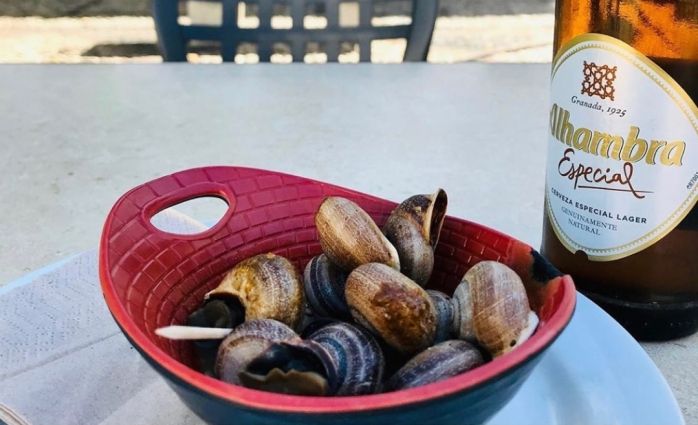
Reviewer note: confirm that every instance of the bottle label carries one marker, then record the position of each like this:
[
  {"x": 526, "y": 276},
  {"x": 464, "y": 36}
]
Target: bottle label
[{"x": 622, "y": 149}]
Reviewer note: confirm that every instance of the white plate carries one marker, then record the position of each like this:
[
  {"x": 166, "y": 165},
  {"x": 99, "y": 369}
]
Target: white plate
[{"x": 595, "y": 373}]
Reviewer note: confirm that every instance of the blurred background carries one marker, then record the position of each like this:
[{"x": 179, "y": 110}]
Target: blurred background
[{"x": 122, "y": 31}]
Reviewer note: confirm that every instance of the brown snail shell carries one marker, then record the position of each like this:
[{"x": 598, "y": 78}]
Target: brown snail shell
[
  {"x": 441, "y": 361},
  {"x": 501, "y": 316},
  {"x": 349, "y": 237},
  {"x": 392, "y": 306},
  {"x": 267, "y": 286},
  {"x": 413, "y": 228},
  {"x": 245, "y": 343}
]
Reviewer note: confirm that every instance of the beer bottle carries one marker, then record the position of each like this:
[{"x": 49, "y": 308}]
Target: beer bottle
[{"x": 622, "y": 167}]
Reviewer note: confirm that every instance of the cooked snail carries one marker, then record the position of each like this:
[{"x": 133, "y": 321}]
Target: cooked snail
[
  {"x": 296, "y": 367},
  {"x": 462, "y": 326},
  {"x": 493, "y": 298},
  {"x": 357, "y": 358},
  {"x": 441, "y": 361},
  {"x": 350, "y": 238},
  {"x": 223, "y": 312},
  {"x": 245, "y": 343},
  {"x": 266, "y": 286},
  {"x": 444, "y": 315},
  {"x": 413, "y": 228},
  {"x": 392, "y": 306},
  {"x": 338, "y": 359},
  {"x": 324, "y": 288}
]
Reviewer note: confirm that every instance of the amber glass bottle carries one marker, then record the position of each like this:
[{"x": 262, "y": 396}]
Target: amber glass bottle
[{"x": 622, "y": 168}]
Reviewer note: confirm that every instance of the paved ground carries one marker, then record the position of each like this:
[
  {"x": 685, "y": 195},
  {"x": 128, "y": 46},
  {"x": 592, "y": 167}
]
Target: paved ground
[{"x": 508, "y": 38}]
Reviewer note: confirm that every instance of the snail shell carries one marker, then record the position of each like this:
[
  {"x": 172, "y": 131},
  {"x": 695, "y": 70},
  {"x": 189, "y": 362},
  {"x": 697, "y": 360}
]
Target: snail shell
[
  {"x": 462, "y": 326},
  {"x": 217, "y": 313},
  {"x": 501, "y": 316},
  {"x": 214, "y": 313},
  {"x": 292, "y": 367},
  {"x": 441, "y": 361},
  {"x": 312, "y": 322},
  {"x": 349, "y": 237},
  {"x": 356, "y": 358},
  {"x": 324, "y": 288},
  {"x": 245, "y": 343},
  {"x": 267, "y": 286},
  {"x": 338, "y": 359},
  {"x": 444, "y": 315},
  {"x": 392, "y": 306},
  {"x": 413, "y": 228}
]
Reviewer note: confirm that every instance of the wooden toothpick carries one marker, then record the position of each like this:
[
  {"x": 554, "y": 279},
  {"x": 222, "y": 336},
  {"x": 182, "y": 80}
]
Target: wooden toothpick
[{"x": 192, "y": 332}]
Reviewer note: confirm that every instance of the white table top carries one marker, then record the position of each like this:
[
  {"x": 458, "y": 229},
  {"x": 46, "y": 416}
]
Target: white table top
[{"x": 74, "y": 138}]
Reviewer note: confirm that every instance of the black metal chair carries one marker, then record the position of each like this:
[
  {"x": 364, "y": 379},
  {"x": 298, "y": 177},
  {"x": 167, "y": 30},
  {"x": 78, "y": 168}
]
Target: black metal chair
[{"x": 173, "y": 37}]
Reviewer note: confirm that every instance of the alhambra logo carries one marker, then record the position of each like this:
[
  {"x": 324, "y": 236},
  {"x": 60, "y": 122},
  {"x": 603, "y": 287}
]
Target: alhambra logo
[{"x": 598, "y": 80}]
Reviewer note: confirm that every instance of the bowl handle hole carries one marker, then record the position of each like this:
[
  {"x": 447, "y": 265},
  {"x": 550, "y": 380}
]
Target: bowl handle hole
[{"x": 192, "y": 216}]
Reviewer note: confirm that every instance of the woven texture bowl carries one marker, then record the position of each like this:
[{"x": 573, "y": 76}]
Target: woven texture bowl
[{"x": 151, "y": 278}]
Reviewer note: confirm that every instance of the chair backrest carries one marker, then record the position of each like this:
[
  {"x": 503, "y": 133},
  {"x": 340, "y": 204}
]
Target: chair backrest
[{"x": 174, "y": 37}]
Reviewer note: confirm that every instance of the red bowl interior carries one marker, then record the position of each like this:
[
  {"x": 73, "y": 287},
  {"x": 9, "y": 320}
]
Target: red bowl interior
[{"x": 151, "y": 278}]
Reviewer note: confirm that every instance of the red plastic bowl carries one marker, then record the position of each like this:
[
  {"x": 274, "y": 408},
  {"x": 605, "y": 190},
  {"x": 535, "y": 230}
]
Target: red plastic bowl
[{"x": 151, "y": 278}]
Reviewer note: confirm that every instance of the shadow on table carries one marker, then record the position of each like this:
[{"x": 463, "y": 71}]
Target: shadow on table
[
  {"x": 122, "y": 50},
  {"x": 131, "y": 50},
  {"x": 134, "y": 50}
]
